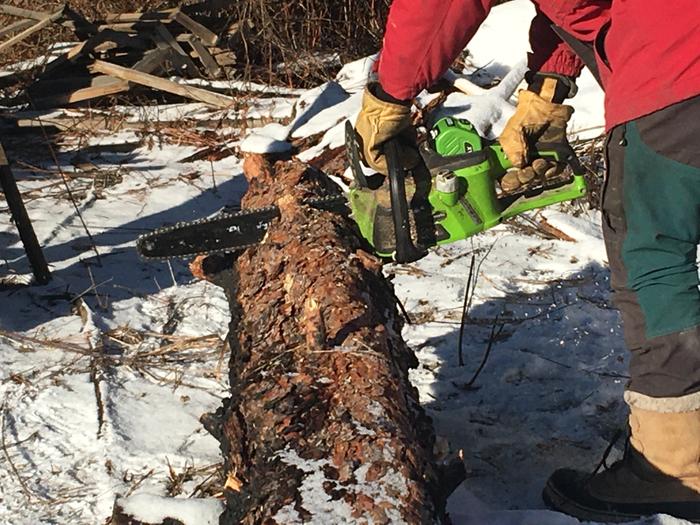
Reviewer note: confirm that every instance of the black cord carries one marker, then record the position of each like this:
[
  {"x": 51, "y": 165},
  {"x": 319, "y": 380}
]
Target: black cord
[
  {"x": 403, "y": 310},
  {"x": 608, "y": 450},
  {"x": 492, "y": 338},
  {"x": 465, "y": 313}
]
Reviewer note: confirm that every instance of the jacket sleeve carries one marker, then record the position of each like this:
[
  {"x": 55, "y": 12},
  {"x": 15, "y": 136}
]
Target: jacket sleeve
[
  {"x": 580, "y": 18},
  {"x": 423, "y": 38}
]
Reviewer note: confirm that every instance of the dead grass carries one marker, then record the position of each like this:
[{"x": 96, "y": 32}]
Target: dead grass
[{"x": 95, "y": 9}]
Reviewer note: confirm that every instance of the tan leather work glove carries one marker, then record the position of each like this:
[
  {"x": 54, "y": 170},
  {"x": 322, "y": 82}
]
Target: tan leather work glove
[
  {"x": 380, "y": 121},
  {"x": 536, "y": 119}
]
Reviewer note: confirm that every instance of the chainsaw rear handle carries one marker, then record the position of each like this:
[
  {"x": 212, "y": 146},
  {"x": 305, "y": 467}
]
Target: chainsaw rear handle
[
  {"x": 565, "y": 153},
  {"x": 436, "y": 162},
  {"x": 406, "y": 251}
]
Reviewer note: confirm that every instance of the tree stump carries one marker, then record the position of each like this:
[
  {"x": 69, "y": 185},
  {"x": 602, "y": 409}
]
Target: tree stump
[{"x": 323, "y": 424}]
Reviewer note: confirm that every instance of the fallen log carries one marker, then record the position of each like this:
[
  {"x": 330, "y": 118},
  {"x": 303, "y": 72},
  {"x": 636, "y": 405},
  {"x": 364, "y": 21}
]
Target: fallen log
[{"x": 323, "y": 424}]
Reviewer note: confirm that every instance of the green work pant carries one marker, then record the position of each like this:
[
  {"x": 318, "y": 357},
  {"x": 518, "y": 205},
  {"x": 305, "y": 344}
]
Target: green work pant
[{"x": 651, "y": 225}]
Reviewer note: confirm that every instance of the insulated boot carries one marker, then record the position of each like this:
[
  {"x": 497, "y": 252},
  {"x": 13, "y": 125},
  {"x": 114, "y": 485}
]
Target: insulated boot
[{"x": 658, "y": 474}]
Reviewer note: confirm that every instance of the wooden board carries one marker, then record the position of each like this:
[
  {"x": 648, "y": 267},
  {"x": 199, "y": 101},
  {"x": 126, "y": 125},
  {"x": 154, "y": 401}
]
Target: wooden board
[
  {"x": 165, "y": 15},
  {"x": 73, "y": 20},
  {"x": 100, "y": 86},
  {"x": 226, "y": 58},
  {"x": 49, "y": 19},
  {"x": 17, "y": 26},
  {"x": 213, "y": 69},
  {"x": 23, "y": 13},
  {"x": 121, "y": 39},
  {"x": 22, "y": 221},
  {"x": 194, "y": 93},
  {"x": 153, "y": 60},
  {"x": 165, "y": 37},
  {"x": 130, "y": 27},
  {"x": 197, "y": 29}
]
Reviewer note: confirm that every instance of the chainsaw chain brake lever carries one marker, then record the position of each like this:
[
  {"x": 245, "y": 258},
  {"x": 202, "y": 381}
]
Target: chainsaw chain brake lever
[{"x": 406, "y": 250}]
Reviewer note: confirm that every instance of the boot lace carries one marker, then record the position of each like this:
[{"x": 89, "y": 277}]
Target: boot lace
[{"x": 603, "y": 464}]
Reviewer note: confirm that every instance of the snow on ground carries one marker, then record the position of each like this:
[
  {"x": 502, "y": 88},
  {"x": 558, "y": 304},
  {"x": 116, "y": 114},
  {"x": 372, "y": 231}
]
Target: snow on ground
[{"x": 100, "y": 396}]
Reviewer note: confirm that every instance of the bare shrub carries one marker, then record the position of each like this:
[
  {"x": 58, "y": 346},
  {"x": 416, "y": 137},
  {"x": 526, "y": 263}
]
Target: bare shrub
[{"x": 302, "y": 40}]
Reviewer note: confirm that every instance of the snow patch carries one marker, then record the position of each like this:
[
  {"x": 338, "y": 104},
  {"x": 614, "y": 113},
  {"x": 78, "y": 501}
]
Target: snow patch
[
  {"x": 149, "y": 508},
  {"x": 269, "y": 139},
  {"x": 325, "y": 510},
  {"x": 315, "y": 499}
]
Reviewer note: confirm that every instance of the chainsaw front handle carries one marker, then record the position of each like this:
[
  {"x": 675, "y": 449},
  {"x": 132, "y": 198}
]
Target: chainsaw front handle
[{"x": 406, "y": 251}]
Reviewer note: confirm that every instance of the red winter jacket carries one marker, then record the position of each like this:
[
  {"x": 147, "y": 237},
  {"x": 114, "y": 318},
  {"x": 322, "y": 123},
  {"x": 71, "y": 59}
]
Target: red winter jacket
[{"x": 649, "y": 58}]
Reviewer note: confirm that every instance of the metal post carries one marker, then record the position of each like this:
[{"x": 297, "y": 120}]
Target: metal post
[{"x": 21, "y": 219}]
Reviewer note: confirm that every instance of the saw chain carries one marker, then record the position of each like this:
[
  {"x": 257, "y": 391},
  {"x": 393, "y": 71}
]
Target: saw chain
[{"x": 225, "y": 232}]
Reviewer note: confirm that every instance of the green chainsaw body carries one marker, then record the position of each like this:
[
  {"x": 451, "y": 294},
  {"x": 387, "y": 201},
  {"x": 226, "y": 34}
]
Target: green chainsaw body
[
  {"x": 463, "y": 170},
  {"x": 452, "y": 195}
]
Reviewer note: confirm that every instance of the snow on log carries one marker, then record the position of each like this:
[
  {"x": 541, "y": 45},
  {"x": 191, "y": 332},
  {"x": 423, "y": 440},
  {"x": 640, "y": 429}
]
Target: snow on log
[{"x": 323, "y": 424}]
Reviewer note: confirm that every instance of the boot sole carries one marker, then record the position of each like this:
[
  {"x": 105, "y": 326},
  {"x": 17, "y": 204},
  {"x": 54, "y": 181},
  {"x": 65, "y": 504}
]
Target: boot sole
[{"x": 558, "y": 502}]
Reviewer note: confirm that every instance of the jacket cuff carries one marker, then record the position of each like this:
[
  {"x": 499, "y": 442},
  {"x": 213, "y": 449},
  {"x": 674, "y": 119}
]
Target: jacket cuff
[
  {"x": 562, "y": 61},
  {"x": 378, "y": 91},
  {"x": 553, "y": 87}
]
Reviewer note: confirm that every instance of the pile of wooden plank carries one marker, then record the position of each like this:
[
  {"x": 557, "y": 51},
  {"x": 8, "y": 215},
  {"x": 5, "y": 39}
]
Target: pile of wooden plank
[
  {"x": 127, "y": 50},
  {"x": 30, "y": 22}
]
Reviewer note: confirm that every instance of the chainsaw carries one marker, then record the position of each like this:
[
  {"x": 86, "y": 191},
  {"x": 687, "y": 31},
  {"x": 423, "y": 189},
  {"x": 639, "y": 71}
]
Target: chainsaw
[{"x": 450, "y": 196}]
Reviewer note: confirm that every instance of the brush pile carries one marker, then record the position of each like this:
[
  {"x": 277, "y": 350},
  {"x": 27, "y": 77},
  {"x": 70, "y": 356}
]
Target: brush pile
[
  {"x": 126, "y": 50},
  {"x": 277, "y": 42}
]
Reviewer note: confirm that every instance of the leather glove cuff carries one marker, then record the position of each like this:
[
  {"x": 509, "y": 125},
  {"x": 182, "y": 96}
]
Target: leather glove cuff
[
  {"x": 535, "y": 119},
  {"x": 380, "y": 121},
  {"x": 378, "y": 91},
  {"x": 552, "y": 87}
]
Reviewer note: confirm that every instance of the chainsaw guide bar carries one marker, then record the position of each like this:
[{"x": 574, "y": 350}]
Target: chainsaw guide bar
[{"x": 225, "y": 232}]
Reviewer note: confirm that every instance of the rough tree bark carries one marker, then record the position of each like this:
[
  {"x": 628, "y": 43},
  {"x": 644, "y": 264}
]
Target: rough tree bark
[{"x": 322, "y": 424}]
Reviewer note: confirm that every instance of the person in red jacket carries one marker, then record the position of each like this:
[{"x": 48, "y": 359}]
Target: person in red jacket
[{"x": 649, "y": 61}]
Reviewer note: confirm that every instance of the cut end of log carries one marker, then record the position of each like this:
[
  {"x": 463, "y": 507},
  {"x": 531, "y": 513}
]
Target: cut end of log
[
  {"x": 197, "y": 268},
  {"x": 233, "y": 483}
]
